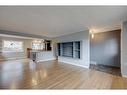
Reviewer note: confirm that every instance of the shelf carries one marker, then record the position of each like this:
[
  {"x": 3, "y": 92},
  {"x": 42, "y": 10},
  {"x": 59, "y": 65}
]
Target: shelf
[{"x": 69, "y": 49}]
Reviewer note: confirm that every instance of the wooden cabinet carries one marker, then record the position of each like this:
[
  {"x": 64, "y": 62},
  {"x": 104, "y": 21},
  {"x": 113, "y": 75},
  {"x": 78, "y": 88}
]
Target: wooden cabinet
[{"x": 28, "y": 52}]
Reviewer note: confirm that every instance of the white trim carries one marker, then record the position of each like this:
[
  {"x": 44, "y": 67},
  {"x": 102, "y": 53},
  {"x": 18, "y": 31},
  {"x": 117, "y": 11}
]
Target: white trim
[
  {"x": 16, "y": 36},
  {"x": 46, "y": 60},
  {"x": 87, "y": 67},
  {"x": 124, "y": 76},
  {"x": 12, "y": 58}
]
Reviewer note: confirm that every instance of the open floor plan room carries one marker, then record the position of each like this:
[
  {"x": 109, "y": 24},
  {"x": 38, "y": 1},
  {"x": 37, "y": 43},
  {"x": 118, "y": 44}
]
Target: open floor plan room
[{"x": 63, "y": 47}]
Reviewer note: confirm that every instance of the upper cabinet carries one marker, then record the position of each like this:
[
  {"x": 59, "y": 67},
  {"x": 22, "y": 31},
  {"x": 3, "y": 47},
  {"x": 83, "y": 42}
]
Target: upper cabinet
[{"x": 48, "y": 45}]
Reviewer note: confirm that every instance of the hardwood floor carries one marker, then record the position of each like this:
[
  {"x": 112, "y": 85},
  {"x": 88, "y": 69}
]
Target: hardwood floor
[{"x": 25, "y": 74}]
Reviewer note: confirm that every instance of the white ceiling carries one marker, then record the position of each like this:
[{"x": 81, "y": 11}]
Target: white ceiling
[{"x": 52, "y": 21}]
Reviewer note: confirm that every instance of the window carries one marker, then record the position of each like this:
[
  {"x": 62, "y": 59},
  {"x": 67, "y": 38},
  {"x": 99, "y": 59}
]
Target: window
[
  {"x": 12, "y": 46},
  {"x": 38, "y": 44}
]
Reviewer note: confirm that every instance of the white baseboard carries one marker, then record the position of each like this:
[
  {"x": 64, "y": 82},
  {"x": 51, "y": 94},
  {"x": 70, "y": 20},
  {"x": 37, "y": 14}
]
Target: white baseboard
[
  {"x": 12, "y": 58},
  {"x": 46, "y": 60},
  {"x": 87, "y": 67},
  {"x": 124, "y": 76}
]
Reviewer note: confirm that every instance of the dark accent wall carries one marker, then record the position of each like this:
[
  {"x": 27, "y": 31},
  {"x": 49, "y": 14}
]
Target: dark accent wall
[{"x": 105, "y": 48}]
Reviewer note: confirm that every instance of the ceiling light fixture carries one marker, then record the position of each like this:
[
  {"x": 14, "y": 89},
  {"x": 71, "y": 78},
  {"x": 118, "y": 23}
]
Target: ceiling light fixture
[{"x": 92, "y": 34}]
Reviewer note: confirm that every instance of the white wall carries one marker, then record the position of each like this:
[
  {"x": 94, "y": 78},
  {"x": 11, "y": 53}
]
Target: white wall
[
  {"x": 124, "y": 49},
  {"x": 84, "y": 61}
]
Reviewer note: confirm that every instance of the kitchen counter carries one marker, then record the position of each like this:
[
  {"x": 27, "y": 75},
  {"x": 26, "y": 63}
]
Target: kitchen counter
[{"x": 41, "y": 55}]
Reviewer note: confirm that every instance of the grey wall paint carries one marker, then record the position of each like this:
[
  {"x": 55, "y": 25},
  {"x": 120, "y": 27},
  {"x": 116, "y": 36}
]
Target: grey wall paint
[
  {"x": 22, "y": 34},
  {"x": 124, "y": 49},
  {"x": 85, "y": 56},
  {"x": 105, "y": 48}
]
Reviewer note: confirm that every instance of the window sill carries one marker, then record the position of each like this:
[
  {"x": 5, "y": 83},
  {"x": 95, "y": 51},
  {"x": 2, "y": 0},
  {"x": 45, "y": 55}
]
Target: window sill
[{"x": 12, "y": 51}]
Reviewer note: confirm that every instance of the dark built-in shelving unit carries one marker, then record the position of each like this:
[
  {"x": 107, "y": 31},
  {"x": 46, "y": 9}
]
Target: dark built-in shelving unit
[{"x": 69, "y": 49}]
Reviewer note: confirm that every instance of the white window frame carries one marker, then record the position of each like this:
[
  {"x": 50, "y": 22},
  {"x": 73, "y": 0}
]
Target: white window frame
[
  {"x": 3, "y": 50},
  {"x": 40, "y": 44}
]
